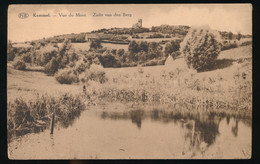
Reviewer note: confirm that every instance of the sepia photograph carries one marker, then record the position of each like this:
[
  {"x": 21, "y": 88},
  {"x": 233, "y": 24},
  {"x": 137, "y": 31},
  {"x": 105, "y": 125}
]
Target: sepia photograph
[{"x": 129, "y": 81}]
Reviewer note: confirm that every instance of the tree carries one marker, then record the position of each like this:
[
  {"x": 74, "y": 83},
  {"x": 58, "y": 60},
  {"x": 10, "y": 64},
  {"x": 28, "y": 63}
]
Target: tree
[
  {"x": 19, "y": 64},
  {"x": 239, "y": 36},
  {"x": 52, "y": 67},
  {"x": 172, "y": 47},
  {"x": 120, "y": 52},
  {"x": 133, "y": 47},
  {"x": 168, "y": 49},
  {"x": 96, "y": 44},
  {"x": 143, "y": 46},
  {"x": 10, "y": 51},
  {"x": 230, "y": 35},
  {"x": 153, "y": 46},
  {"x": 200, "y": 48}
]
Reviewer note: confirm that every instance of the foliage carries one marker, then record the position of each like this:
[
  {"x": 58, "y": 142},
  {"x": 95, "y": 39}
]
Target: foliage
[
  {"x": 43, "y": 56},
  {"x": 153, "y": 46},
  {"x": 34, "y": 116},
  {"x": 200, "y": 48},
  {"x": 96, "y": 44},
  {"x": 155, "y": 35},
  {"x": 239, "y": 36},
  {"x": 96, "y": 73},
  {"x": 120, "y": 52},
  {"x": 11, "y": 51},
  {"x": 133, "y": 47},
  {"x": 171, "y": 47},
  {"x": 66, "y": 76},
  {"x": 52, "y": 67},
  {"x": 19, "y": 64},
  {"x": 144, "y": 46},
  {"x": 109, "y": 60},
  {"x": 27, "y": 58}
]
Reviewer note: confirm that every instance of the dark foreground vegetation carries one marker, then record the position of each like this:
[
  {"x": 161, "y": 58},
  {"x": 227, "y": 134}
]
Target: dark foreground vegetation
[{"x": 35, "y": 116}]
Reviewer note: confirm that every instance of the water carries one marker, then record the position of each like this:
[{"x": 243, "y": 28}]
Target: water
[{"x": 140, "y": 134}]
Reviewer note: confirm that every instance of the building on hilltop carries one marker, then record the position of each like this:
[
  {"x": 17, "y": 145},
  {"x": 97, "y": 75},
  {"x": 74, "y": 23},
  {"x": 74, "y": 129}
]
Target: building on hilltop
[{"x": 138, "y": 24}]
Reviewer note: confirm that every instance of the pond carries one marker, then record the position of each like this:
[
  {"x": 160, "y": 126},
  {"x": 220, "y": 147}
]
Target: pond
[{"x": 140, "y": 134}]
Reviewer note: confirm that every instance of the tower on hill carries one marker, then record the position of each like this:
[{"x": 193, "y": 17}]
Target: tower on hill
[{"x": 138, "y": 24}]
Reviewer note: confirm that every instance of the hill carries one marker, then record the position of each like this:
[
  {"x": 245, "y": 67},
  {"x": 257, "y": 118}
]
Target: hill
[{"x": 121, "y": 34}]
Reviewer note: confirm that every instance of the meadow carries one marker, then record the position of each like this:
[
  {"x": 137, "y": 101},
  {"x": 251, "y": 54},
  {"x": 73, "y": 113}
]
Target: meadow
[
  {"x": 228, "y": 86},
  {"x": 219, "y": 87},
  {"x": 225, "y": 88}
]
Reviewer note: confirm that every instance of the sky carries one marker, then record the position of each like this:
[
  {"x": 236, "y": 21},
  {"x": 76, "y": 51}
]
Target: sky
[{"x": 224, "y": 17}]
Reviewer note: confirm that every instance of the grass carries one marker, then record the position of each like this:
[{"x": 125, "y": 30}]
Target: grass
[
  {"x": 222, "y": 87},
  {"x": 28, "y": 84},
  {"x": 36, "y": 115},
  {"x": 225, "y": 89}
]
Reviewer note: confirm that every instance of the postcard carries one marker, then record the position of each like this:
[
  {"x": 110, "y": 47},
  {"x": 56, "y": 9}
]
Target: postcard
[{"x": 129, "y": 81}]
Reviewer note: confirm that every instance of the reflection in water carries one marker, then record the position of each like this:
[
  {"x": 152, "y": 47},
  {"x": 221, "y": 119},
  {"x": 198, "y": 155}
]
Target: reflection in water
[
  {"x": 136, "y": 117},
  {"x": 141, "y": 134},
  {"x": 200, "y": 130},
  {"x": 228, "y": 119},
  {"x": 235, "y": 128}
]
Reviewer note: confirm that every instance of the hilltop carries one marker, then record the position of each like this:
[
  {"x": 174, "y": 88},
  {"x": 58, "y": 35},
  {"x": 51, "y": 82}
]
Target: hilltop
[{"x": 127, "y": 34}]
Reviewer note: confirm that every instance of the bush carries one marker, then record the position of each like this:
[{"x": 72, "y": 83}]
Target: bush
[
  {"x": 133, "y": 47},
  {"x": 200, "y": 48},
  {"x": 52, "y": 67},
  {"x": 11, "y": 51},
  {"x": 144, "y": 46},
  {"x": 66, "y": 76},
  {"x": 120, "y": 52},
  {"x": 34, "y": 116},
  {"x": 27, "y": 58},
  {"x": 96, "y": 44},
  {"x": 96, "y": 73},
  {"x": 156, "y": 36},
  {"x": 109, "y": 60},
  {"x": 246, "y": 43},
  {"x": 19, "y": 64}
]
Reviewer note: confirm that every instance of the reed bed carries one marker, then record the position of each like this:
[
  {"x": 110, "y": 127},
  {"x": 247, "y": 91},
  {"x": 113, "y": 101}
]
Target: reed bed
[
  {"x": 206, "y": 90},
  {"x": 35, "y": 115}
]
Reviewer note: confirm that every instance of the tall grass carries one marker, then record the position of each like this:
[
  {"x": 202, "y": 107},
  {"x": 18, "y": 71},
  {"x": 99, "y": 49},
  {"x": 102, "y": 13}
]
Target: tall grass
[
  {"x": 35, "y": 116},
  {"x": 177, "y": 87}
]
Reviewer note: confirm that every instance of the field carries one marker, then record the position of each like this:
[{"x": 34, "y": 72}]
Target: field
[
  {"x": 218, "y": 83},
  {"x": 226, "y": 89},
  {"x": 28, "y": 84}
]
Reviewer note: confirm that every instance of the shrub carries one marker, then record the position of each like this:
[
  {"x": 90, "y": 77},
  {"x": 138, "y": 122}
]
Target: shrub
[
  {"x": 45, "y": 55},
  {"x": 246, "y": 43},
  {"x": 11, "y": 51},
  {"x": 200, "y": 48},
  {"x": 27, "y": 58},
  {"x": 96, "y": 73},
  {"x": 52, "y": 67},
  {"x": 153, "y": 46},
  {"x": 143, "y": 46},
  {"x": 96, "y": 44},
  {"x": 120, "y": 52},
  {"x": 66, "y": 76},
  {"x": 19, "y": 64},
  {"x": 109, "y": 60},
  {"x": 156, "y": 36},
  {"x": 133, "y": 47},
  {"x": 34, "y": 116}
]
